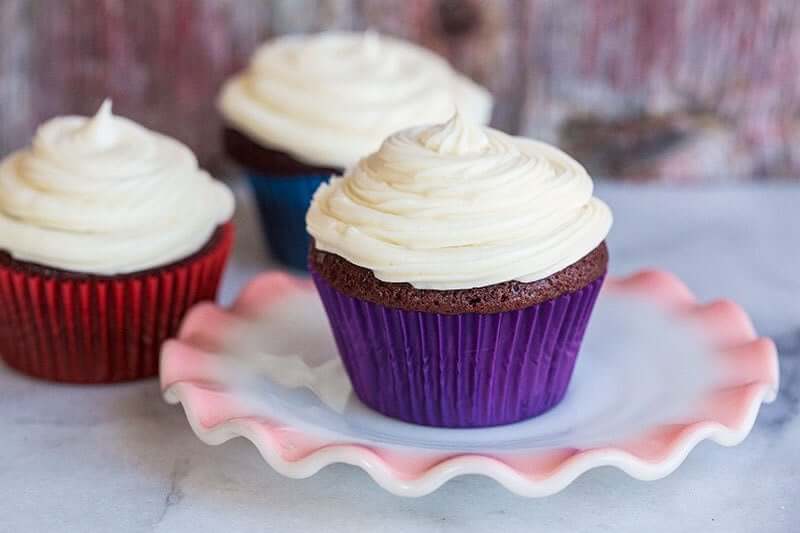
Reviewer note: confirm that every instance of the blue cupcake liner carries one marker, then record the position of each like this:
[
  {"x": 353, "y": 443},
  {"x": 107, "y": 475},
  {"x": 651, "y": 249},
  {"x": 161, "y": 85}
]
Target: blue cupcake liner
[{"x": 282, "y": 203}]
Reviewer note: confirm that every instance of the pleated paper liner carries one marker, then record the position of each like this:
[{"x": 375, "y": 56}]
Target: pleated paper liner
[
  {"x": 70, "y": 327},
  {"x": 282, "y": 204},
  {"x": 459, "y": 371}
]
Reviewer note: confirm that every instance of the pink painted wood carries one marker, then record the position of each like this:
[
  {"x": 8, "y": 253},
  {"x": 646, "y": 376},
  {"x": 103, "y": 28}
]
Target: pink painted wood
[{"x": 678, "y": 90}]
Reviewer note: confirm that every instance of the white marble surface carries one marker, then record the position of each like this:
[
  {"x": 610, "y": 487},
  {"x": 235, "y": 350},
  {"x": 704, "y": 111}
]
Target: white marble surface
[{"x": 119, "y": 459}]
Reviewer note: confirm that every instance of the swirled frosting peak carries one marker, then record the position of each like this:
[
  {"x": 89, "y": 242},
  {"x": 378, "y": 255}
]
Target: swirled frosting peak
[
  {"x": 99, "y": 131},
  {"x": 455, "y": 137},
  {"x": 331, "y": 98},
  {"x": 457, "y": 206},
  {"x": 104, "y": 195}
]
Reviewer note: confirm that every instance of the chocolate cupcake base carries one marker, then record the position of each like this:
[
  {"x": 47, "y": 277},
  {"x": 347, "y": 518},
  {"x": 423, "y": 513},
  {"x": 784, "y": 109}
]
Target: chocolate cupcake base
[
  {"x": 83, "y": 328},
  {"x": 431, "y": 358},
  {"x": 362, "y": 284}
]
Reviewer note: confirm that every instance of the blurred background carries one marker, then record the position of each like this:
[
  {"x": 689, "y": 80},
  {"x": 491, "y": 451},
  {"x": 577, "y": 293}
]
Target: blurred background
[{"x": 659, "y": 90}]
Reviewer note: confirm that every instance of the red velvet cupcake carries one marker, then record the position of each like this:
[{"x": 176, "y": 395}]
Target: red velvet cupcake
[
  {"x": 458, "y": 267},
  {"x": 309, "y": 106},
  {"x": 109, "y": 232}
]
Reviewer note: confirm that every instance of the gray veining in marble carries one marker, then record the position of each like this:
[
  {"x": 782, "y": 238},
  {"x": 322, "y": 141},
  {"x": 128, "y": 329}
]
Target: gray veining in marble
[{"x": 119, "y": 459}]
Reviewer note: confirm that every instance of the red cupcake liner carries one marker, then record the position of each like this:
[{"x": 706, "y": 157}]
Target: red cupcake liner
[{"x": 68, "y": 327}]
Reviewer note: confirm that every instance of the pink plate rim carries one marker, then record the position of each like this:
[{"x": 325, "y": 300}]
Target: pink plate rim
[{"x": 726, "y": 416}]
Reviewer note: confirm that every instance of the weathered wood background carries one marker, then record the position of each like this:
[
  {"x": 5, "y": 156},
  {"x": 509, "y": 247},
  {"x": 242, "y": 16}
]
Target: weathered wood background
[{"x": 677, "y": 90}]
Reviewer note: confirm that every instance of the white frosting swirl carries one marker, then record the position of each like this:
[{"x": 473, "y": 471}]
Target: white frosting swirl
[
  {"x": 104, "y": 195},
  {"x": 457, "y": 206},
  {"x": 331, "y": 98}
]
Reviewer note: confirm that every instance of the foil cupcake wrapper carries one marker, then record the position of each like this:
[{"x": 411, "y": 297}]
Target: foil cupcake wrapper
[
  {"x": 101, "y": 329},
  {"x": 459, "y": 371},
  {"x": 282, "y": 204}
]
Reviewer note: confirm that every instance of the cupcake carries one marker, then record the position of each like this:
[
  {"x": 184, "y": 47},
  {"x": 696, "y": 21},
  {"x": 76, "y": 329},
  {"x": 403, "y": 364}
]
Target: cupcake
[
  {"x": 109, "y": 232},
  {"x": 308, "y": 107},
  {"x": 458, "y": 267}
]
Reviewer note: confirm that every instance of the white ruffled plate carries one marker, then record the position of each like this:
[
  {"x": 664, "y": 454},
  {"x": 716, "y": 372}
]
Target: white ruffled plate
[{"x": 657, "y": 374}]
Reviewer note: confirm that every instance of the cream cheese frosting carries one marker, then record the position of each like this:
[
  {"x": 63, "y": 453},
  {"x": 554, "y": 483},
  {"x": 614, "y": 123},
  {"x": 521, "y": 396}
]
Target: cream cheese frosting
[
  {"x": 104, "y": 195},
  {"x": 458, "y": 206},
  {"x": 331, "y": 98}
]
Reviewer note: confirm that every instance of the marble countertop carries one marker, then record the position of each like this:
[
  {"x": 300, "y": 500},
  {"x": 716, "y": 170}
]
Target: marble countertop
[{"x": 117, "y": 458}]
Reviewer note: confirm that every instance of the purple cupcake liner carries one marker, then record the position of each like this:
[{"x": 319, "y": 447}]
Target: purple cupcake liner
[{"x": 459, "y": 371}]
